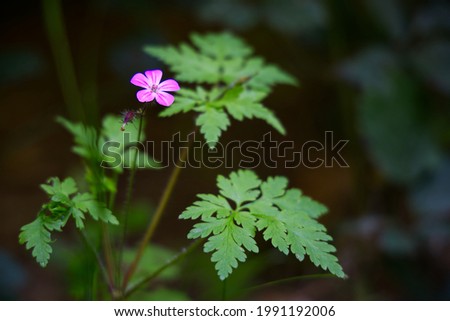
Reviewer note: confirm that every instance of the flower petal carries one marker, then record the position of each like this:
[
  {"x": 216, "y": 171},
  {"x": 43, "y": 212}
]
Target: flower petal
[
  {"x": 145, "y": 95},
  {"x": 154, "y": 76},
  {"x": 169, "y": 85},
  {"x": 164, "y": 99},
  {"x": 140, "y": 80}
]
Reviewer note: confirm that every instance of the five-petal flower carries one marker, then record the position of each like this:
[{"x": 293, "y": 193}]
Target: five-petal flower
[{"x": 154, "y": 88}]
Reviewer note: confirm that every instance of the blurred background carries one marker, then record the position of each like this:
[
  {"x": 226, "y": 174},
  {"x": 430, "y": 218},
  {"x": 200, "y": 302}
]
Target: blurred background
[{"x": 375, "y": 72}]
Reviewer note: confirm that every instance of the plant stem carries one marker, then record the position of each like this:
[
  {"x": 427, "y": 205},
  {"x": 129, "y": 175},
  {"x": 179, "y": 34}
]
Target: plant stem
[
  {"x": 156, "y": 217},
  {"x": 108, "y": 253},
  {"x": 224, "y": 290},
  {"x": 56, "y": 32},
  {"x": 171, "y": 262},
  {"x": 103, "y": 270},
  {"x": 126, "y": 205},
  {"x": 294, "y": 278}
]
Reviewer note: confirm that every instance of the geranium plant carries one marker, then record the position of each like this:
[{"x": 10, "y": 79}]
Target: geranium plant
[{"x": 220, "y": 79}]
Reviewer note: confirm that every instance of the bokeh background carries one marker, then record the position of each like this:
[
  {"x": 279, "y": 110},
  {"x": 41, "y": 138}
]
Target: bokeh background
[{"x": 375, "y": 72}]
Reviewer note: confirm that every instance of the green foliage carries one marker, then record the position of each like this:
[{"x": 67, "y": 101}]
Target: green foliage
[
  {"x": 227, "y": 80},
  {"x": 53, "y": 216},
  {"x": 286, "y": 218},
  {"x": 110, "y": 132},
  {"x": 36, "y": 236},
  {"x": 90, "y": 145}
]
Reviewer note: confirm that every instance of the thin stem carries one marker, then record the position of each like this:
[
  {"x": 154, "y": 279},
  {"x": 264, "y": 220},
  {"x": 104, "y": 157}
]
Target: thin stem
[
  {"x": 101, "y": 265},
  {"x": 113, "y": 194},
  {"x": 92, "y": 29},
  {"x": 108, "y": 252},
  {"x": 294, "y": 278},
  {"x": 127, "y": 201},
  {"x": 56, "y": 32},
  {"x": 169, "y": 263},
  {"x": 224, "y": 290},
  {"x": 156, "y": 217}
]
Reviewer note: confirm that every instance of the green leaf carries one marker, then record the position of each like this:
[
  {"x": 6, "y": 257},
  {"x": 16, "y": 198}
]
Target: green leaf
[
  {"x": 181, "y": 105},
  {"x": 111, "y": 133},
  {"x": 86, "y": 144},
  {"x": 240, "y": 187},
  {"x": 55, "y": 186},
  {"x": 311, "y": 240},
  {"x": 85, "y": 202},
  {"x": 36, "y": 236},
  {"x": 294, "y": 201},
  {"x": 221, "y": 45},
  {"x": 227, "y": 250},
  {"x": 209, "y": 205},
  {"x": 274, "y": 230},
  {"x": 270, "y": 75},
  {"x": 188, "y": 64},
  {"x": 240, "y": 82},
  {"x": 212, "y": 122},
  {"x": 54, "y": 215},
  {"x": 247, "y": 108},
  {"x": 286, "y": 218},
  {"x": 79, "y": 217}
]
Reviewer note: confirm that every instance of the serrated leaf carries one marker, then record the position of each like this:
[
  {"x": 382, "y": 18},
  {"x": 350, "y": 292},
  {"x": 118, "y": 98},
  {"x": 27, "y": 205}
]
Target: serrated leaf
[
  {"x": 54, "y": 186},
  {"x": 187, "y": 63},
  {"x": 270, "y": 75},
  {"x": 294, "y": 201},
  {"x": 227, "y": 252},
  {"x": 79, "y": 217},
  {"x": 286, "y": 217},
  {"x": 209, "y": 205},
  {"x": 212, "y": 122},
  {"x": 36, "y": 236},
  {"x": 240, "y": 82},
  {"x": 68, "y": 186},
  {"x": 181, "y": 105},
  {"x": 221, "y": 45},
  {"x": 207, "y": 227},
  {"x": 87, "y": 203},
  {"x": 85, "y": 137},
  {"x": 247, "y": 108},
  {"x": 313, "y": 242},
  {"x": 240, "y": 187}
]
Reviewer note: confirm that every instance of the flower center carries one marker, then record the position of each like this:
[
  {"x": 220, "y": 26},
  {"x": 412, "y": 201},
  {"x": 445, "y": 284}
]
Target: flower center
[{"x": 154, "y": 88}]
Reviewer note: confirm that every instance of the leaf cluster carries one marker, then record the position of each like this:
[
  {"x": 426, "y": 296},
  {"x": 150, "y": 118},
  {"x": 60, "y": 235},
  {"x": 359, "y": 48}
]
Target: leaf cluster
[
  {"x": 64, "y": 202},
  {"x": 228, "y": 80},
  {"x": 246, "y": 205}
]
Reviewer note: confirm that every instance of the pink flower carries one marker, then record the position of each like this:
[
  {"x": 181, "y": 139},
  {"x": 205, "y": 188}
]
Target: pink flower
[{"x": 154, "y": 88}]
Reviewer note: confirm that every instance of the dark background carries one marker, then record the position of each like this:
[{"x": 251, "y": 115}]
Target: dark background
[{"x": 376, "y": 73}]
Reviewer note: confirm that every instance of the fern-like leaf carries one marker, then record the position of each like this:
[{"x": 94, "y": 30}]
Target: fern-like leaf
[
  {"x": 36, "y": 236},
  {"x": 286, "y": 217},
  {"x": 240, "y": 82}
]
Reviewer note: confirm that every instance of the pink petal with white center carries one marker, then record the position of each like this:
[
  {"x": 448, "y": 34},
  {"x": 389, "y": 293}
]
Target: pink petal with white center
[
  {"x": 154, "y": 76},
  {"x": 140, "y": 80},
  {"x": 169, "y": 85},
  {"x": 164, "y": 99},
  {"x": 145, "y": 95}
]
